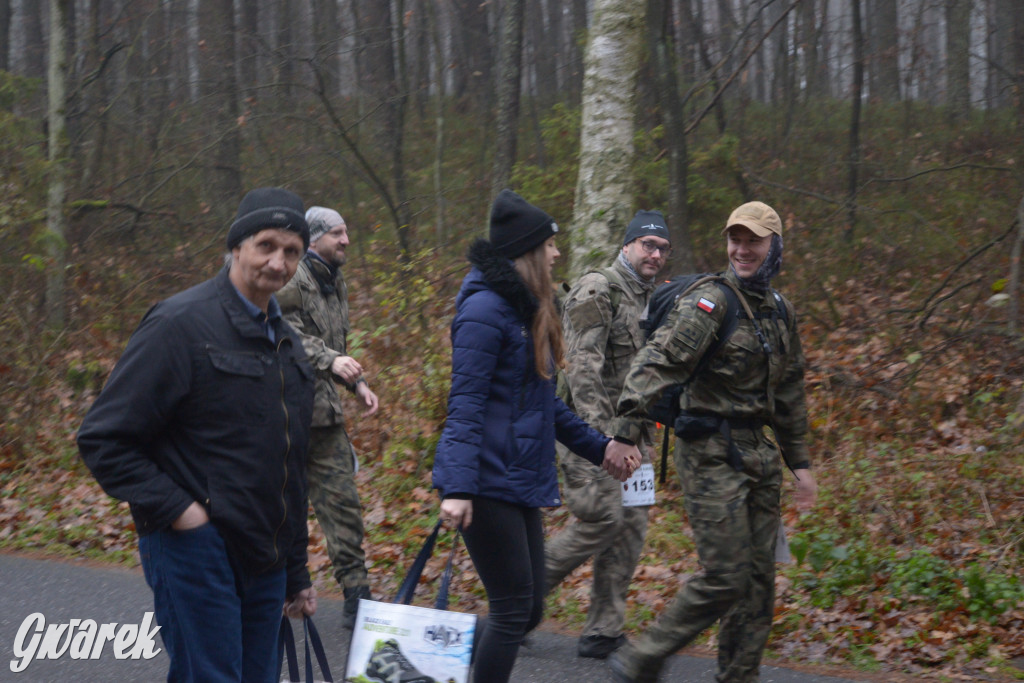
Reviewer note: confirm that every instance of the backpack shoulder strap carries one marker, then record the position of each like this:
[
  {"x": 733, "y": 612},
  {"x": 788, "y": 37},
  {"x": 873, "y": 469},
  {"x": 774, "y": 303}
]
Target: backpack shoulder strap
[
  {"x": 733, "y": 301},
  {"x": 615, "y": 286}
]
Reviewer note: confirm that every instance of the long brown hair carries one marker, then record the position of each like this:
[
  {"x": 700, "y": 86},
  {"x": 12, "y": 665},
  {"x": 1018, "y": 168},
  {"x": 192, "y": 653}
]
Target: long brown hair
[{"x": 548, "y": 342}]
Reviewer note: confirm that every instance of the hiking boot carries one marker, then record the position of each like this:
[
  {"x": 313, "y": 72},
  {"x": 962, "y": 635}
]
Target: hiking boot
[
  {"x": 599, "y": 647},
  {"x": 352, "y": 597},
  {"x": 625, "y": 670},
  {"x": 387, "y": 664}
]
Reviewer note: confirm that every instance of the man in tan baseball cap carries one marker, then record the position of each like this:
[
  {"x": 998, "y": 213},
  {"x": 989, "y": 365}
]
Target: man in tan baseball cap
[
  {"x": 731, "y": 474},
  {"x": 757, "y": 217},
  {"x": 754, "y": 244}
]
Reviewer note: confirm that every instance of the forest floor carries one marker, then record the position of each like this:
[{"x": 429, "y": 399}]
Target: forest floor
[{"x": 909, "y": 566}]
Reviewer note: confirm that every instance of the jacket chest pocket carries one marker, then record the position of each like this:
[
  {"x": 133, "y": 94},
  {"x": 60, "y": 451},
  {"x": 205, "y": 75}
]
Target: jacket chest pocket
[
  {"x": 743, "y": 358},
  {"x": 623, "y": 340},
  {"x": 236, "y": 385}
]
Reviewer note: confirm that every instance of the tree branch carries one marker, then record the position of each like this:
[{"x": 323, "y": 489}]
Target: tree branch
[{"x": 736, "y": 72}]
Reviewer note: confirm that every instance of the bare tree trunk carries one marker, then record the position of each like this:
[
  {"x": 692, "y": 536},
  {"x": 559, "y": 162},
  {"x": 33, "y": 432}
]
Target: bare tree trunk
[
  {"x": 659, "y": 21},
  {"x": 855, "y": 97},
  {"x": 958, "y": 44},
  {"x": 96, "y": 102},
  {"x": 1018, "y": 63},
  {"x": 604, "y": 193},
  {"x": 285, "y": 52},
  {"x": 887, "y": 70},
  {"x": 931, "y": 30},
  {"x": 249, "y": 47},
  {"x": 727, "y": 31},
  {"x": 419, "y": 43},
  {"x": 999, "y": 73},
  {"x": 543, "y": 47},
  {"x": 809, "y": 37},
  {"x": 474, "y": 52},
  {"x": 824, "y": 73},
  {"x": 58, "y": 157},
  {"x": 1014, "y": 284},
  {"x": 510, "y": 52},
  {"x": 326, "y": 30},
  {"x": 5, "y": 35},
  {"x": 695, "y": 23},
  {"x": 34, "y": 59},
  {"x": 220, "y": 89},
  {"x": 579, "y": 27},
  {"x": 436, "y": 42},
  {"x": 396, "y": 118},
  {"x": 382, "y": 60}
]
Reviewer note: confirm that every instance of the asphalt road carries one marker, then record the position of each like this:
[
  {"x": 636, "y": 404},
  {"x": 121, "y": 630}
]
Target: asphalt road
[{"x": 63, "y": 591}]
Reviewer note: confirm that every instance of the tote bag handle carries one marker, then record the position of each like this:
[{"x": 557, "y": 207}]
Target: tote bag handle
[
  {"x": 408, "y": 587},
  {"x": 286, "y": 650}
]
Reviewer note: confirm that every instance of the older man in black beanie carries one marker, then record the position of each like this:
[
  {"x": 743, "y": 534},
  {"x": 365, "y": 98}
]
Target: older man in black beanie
[
  {"x": 601, "y": 319},
  {"x": 202, "y": 428}
]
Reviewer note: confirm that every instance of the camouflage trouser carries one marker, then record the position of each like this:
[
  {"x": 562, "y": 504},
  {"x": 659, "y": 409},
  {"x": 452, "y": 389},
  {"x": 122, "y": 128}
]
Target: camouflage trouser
[
  {"x": 332, "y": 491},
  {"x": 603, "y": 529},
  {"x": 735, "y": 519}
]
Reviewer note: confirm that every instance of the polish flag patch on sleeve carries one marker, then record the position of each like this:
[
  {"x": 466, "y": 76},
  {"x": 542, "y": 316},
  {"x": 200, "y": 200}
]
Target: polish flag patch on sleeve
[{"x": 705, "y": 305}]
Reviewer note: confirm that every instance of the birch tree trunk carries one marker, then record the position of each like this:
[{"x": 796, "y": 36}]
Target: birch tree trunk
[
  {"x": 56, "y": 115},
  {"x": 604, "y": 188}
]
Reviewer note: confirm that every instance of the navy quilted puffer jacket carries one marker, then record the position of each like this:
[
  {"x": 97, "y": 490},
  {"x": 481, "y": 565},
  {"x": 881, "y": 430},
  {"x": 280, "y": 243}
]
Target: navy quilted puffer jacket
[{"x": 503, "y": 418}]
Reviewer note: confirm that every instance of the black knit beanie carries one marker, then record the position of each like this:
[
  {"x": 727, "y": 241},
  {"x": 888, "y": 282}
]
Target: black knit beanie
[
  {"x": 646, "y": 223},
  {"x": 268, "y": 207},
  {"x": 518, "y": 226}
]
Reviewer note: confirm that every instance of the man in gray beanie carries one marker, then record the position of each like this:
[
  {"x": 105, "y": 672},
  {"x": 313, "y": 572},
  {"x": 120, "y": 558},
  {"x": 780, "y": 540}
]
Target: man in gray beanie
[
  {"x": 601, "y": 320},
  {"x": 202, "y": 428},
  {"x": 315, "y": 303}
]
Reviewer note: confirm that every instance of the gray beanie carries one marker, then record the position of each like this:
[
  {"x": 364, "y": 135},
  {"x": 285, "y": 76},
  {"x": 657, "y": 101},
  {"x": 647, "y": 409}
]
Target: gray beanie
[{"x": 321, "y": 220}]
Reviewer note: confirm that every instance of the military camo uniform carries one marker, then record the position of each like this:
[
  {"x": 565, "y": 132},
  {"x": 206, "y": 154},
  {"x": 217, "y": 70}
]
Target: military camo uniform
[
  {"x": 315, "y": 303},
  {"x": 733, "y": 507},
  {"x": 601, "y": 321}
]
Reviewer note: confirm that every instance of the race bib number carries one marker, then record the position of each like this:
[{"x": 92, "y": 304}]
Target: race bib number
[{"x": 639, "y": 488}]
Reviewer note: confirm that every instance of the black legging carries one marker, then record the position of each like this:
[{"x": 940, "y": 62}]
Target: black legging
[{"x": 506, "y": 543}]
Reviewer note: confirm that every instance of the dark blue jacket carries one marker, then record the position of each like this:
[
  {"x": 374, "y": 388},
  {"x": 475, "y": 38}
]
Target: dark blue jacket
[
  {"x": 503, "y": 418},
  {"x": 202, "y": 406}
]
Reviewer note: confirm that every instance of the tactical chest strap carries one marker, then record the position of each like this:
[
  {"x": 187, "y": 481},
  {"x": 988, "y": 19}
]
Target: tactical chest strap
[{"x": 691, "y": 425}]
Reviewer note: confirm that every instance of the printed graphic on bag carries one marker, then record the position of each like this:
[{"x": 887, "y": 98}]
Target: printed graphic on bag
[{"x": 406, "y": 644}]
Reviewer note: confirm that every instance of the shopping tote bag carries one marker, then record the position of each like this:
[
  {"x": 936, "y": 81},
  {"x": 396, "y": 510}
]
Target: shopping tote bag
[{"x": 395, "y": 641}]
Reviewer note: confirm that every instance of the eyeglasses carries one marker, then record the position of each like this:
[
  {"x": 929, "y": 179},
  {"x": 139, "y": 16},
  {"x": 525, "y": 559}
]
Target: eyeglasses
[{"x": 651, "y": 247}]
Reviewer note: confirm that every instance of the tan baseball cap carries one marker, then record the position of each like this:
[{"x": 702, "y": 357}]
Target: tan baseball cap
[{"x": 760, "y": 218}]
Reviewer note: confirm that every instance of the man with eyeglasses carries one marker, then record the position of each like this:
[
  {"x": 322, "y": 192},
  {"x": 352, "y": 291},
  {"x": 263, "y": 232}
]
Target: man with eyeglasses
[{"x": 601, "y": 319}]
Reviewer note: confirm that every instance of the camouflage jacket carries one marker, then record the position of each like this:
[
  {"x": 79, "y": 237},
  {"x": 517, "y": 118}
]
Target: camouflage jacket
[
  {"x": 739, "y": 381},
  {"x": 601, "y": 319},
  {"x": 321, "y": 319}
]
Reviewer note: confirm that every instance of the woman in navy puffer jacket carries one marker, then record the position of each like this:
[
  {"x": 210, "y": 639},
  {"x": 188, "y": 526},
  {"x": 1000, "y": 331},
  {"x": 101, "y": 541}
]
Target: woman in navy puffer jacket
[{"x": 495, "y": 463}]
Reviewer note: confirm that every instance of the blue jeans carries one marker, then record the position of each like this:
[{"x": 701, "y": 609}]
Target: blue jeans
[{"x": 217, "y": 623}]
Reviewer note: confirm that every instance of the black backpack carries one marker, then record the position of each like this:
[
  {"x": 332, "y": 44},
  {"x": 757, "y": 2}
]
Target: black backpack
[{"x": 663, "y": 300}]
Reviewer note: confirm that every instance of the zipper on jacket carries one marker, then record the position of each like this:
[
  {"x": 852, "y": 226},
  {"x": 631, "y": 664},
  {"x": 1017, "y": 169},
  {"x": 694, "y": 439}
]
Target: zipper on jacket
[{"x": 287, "y": 452}]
